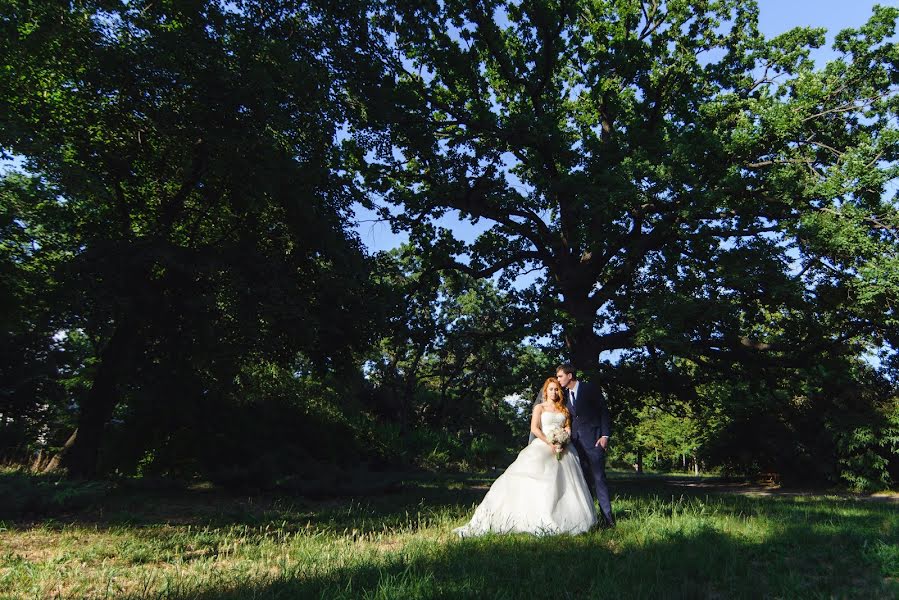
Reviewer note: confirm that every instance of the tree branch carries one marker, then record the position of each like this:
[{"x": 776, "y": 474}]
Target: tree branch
[
  {"x": 472, "y": 201},
  {"x": 519, "y": 257},
  {"x": 615, "y": 340},
  {"x": 489, "y": 33},
  {"x": 641, "y": 245},
  {"x": 173, "y": 207}
]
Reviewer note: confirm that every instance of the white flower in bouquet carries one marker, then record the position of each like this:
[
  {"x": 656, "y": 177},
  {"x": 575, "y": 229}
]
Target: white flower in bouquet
[{"x": 558, "y": 437}]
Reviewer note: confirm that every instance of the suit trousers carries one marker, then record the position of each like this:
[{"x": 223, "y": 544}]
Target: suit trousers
[{"x": 593, "y": 464}]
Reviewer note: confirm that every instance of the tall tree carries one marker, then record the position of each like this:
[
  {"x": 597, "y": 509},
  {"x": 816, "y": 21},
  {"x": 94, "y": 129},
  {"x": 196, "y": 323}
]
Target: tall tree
[
  {"x": 29, "y": 382},
  {"x": 191, "y": 148},
  {"x": 685, "y": 185}
]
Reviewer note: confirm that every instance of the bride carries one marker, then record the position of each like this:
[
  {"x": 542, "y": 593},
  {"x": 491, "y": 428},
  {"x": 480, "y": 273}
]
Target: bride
[{"x": 537, "y": 493}]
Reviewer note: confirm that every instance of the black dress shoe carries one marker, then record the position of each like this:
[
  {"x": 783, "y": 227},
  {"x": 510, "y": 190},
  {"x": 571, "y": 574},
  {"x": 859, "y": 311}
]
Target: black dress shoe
[{"x": 607, "y": 522}]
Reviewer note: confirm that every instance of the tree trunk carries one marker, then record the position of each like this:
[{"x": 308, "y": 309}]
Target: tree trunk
[
  {"x": 582, "y": 346},
  {"x": 40, "y": 462},
  {"x": 81, "y": 452}
]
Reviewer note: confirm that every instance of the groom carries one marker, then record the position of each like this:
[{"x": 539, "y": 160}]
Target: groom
[{"x": 591, "y": 427}]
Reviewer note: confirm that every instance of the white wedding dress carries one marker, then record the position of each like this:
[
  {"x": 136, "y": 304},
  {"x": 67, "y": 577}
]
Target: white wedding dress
[{"x": 536, "y": 494}]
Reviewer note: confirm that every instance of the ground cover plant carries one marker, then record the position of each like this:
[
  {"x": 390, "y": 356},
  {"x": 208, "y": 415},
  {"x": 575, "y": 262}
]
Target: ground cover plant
[{"x": 677, "y": 538}]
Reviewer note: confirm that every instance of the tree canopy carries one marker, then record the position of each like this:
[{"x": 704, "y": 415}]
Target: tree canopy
[
  {"x": 187, "y": 182},
  {"x": 658, "y": 185},
  {"x": 684, "y": 184}
]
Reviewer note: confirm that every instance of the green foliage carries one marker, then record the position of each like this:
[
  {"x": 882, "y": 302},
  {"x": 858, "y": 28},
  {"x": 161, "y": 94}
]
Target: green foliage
[
  {"x": 23, "y": 495},
  {"x": 452, "y": 353},
  {"x": 709, "y": 202},
  {"x": 180, "y": 285},
  {"x": 834, "y": 422},
  {"x": 437, "y": 450},
  {"x": 887, "y": 556},
  {"x": 271, "y": 429},
  {"x": 31, "y": 391},
  {"x": 485, "y": 451},
  {"x": 680, "y": 180},
  {"x": 187, "y": 207},
  {"x": 867, "y": 454},
  {"x": 660, "y": 440}
]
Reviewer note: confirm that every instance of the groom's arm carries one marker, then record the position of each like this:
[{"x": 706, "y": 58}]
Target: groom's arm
[{"x": 605, "y": 420}]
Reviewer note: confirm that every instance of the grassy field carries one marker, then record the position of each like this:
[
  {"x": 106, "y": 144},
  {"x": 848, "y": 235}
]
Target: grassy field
[{"x": 59, "y": 540}]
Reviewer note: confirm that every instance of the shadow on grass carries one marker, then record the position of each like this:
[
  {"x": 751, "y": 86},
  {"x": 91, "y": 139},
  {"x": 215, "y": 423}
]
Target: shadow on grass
[
  {"x": 701, "y": 564},
  {"x": 27, "y": 500},
  {"x": 809, "y": 548}
]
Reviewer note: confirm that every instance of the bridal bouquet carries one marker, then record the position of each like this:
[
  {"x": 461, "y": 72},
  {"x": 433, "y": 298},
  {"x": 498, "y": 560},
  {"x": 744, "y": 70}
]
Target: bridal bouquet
[{"x": 558, "y": 437}]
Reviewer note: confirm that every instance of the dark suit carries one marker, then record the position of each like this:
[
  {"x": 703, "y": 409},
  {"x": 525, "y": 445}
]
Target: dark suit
[{"x": 590, "y": 420}]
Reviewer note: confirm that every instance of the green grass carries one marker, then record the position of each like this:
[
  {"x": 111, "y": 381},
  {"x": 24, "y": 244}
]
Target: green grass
[{"x": 173, "y": 544}]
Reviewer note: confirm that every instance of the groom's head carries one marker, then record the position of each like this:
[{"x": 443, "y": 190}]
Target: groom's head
[{"x": 565, "y": 373}]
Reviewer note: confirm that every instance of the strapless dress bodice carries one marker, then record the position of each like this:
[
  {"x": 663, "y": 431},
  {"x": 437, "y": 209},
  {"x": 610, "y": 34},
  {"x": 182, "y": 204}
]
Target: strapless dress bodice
[{"x": 551, "y": 420}]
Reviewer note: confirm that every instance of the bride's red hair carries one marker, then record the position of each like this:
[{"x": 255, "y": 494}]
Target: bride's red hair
[{"x": 558, "y": 400}]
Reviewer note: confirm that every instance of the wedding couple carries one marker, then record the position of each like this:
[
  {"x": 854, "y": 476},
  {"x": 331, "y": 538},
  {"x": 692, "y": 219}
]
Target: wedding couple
[{"x": 548, "y": 489}]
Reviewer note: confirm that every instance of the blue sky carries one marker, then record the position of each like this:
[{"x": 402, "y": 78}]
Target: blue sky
[{"x": 775, "y": 17}]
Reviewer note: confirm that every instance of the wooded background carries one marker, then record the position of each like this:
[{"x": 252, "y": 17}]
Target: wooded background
[{"x": 703, "y": 220}]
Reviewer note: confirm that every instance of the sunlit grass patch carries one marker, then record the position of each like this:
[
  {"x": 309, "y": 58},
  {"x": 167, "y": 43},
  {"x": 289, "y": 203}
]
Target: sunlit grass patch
[{"x": 207, "y": 545}]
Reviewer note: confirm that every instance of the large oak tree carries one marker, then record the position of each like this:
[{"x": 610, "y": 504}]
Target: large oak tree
[{"x": 686, "y": 186}]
